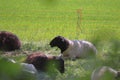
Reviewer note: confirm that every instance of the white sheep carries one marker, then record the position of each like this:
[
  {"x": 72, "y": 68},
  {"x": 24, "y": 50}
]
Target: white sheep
[{"x": 74, "y": 48}]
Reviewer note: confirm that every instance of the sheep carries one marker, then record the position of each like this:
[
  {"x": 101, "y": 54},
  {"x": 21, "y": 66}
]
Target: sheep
[
  {"x": 9, "y": 41},
  {"x": 105, "y": 73},
  {"x": 73, "y": 48},
  {"x": 45, "y": 63}
]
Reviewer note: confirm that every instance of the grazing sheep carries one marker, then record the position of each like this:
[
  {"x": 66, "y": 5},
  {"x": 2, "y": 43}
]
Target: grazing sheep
[
  {"x": 73, "y": 48},
  {"x": 105, "y": 73},
  {"x": 9, "y": 41},
  {"x": 45, "y": 63}
]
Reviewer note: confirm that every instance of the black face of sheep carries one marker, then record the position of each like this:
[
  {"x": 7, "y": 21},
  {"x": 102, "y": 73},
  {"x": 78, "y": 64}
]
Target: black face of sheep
[
  {"x": 60, "y": 64},
  {"x": 60, "y": 42},
  {"x": 46, "y": 63},
  {"x": 9, "y": 41}
]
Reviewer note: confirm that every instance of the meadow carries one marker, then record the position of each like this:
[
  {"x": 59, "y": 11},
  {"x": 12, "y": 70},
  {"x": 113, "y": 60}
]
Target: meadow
[{"x": 36, "y": 22}]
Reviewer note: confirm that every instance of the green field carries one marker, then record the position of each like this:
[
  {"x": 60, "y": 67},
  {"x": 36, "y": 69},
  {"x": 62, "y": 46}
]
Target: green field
[
  {"x": 41, "y": 20},
  {"x": 37, "y": 20}
]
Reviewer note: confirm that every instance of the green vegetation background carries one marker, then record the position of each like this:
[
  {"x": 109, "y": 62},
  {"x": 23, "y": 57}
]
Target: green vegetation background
[
  {"x": 37, "y": 20},
  {"x": 41, "y": 20}
]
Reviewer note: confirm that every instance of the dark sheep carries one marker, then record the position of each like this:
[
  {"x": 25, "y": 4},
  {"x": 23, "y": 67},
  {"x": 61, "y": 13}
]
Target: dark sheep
[
  {"x": 9, "y": 41},
  {"x": 45, "y": 63}
]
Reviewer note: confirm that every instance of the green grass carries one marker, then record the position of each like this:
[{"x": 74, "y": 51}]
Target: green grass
[
  {"x": 36, "y": 22},
  {"x": 42, "y": 20}
]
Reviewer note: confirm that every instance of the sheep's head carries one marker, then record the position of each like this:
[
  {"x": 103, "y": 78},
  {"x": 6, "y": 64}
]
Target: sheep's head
[
  {"x": 59, "y": 62},
  {"x": 60, "y": 42}
]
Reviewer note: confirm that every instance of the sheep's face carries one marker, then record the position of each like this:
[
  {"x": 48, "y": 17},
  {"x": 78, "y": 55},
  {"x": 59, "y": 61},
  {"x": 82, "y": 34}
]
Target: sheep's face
[
  {"x": 60, "y": 42},
  {"x": 60, "y": 65},
  {"x": 54, "y": 64},
  {"x": 57, "y": 41}
]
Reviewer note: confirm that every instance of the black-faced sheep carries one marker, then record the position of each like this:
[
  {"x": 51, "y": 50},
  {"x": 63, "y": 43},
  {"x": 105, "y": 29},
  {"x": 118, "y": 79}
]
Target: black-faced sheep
[
  {"x": 105, "y": 73},
  {"x": 45, "y": 63},
  {"x": 9, "y": 41},
  {"x": 73, "y": 48}
]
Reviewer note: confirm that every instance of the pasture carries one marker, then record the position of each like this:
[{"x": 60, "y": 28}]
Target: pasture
[{"x": 36, "y": 22}]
